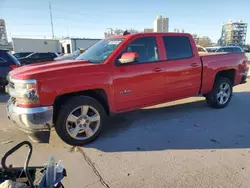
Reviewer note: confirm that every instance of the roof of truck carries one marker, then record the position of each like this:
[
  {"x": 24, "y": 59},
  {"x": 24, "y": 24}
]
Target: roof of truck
[{"x": 145, "y": 34}]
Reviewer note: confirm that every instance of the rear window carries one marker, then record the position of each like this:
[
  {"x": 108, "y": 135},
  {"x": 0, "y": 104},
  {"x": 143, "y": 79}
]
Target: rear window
[
  {"x": 238, "y": 50},
  {"x": 177, "y": 47}
]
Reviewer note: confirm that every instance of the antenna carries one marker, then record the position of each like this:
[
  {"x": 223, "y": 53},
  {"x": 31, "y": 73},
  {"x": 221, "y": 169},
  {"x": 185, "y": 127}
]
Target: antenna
[{"x": 51, "y": 20}]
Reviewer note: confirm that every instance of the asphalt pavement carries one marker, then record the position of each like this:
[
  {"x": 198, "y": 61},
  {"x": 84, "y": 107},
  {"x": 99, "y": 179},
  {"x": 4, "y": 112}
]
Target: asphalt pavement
[{"x": 183, "y": 144}]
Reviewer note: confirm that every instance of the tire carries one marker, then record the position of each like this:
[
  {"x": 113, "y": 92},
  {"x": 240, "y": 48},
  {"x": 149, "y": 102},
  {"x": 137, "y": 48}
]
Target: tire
[
  {"x": 214, "y": 97},
  {"x": 73, "y": 107}
]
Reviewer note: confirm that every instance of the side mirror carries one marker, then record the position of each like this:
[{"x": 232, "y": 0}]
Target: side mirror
[{"x": 128, "y": 57}]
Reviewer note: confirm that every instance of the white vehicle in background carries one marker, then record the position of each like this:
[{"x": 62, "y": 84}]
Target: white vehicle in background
[
  {"x": 74, "y": 55},
  {"x": 201, "y": 49}
]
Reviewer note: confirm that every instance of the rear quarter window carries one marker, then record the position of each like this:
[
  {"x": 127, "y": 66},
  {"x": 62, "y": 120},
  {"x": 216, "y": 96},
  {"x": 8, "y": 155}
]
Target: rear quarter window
[{"x": 177, "y": 47}]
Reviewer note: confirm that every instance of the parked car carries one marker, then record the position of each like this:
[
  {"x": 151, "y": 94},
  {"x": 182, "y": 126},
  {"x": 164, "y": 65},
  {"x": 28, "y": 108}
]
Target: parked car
[
  {"x": 74, "y": 55},
  {"x": 213, "y": 49},
  {"x": 7, "y": 63},
  {"x": 229, "y": 49},
  {"x": 116, "y": 75},
  {"x": 37, "y": 57},
  {"x": 21, "y": 54},
  {"x": 201, "y": 49}
]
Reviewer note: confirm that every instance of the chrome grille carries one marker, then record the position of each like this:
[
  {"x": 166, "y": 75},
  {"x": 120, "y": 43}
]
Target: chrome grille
[
  {"x": 12, "y": 100},
  {"x": 12, "y": 85}
]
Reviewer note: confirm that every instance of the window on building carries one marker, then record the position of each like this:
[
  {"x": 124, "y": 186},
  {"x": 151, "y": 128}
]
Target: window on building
[
  {"x": 177, "y": 47},
  {"x": 146, "y": 48}
]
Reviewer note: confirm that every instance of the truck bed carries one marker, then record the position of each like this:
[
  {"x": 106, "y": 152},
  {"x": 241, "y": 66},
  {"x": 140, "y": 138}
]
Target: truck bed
[{"x": 215, "y": 62}]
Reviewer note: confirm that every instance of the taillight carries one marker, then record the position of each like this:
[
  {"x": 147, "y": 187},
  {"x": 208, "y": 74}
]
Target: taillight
[{"x": 13, "y": 66}]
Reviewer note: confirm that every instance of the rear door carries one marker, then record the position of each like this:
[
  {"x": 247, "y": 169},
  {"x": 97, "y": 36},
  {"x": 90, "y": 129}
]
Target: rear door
[
  {"x": 183, "y": 67},
  {"x": 143, "y": 82}
]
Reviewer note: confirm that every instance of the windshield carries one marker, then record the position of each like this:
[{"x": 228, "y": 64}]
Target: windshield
[{"x": 99, "y": 52}]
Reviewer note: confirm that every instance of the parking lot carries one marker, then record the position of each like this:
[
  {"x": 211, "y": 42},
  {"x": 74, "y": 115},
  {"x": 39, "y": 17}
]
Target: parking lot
[{"x": 182, "y": 144}]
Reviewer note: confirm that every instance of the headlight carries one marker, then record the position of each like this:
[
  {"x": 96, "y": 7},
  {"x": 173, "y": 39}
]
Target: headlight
[{"x": 25, "y": 91}]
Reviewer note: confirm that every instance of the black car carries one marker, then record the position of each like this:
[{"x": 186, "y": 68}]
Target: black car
[
  {"x": 21, "y": 54},
  {"x": 37, "y": 57},
  {"x": 7, "y": 63}
]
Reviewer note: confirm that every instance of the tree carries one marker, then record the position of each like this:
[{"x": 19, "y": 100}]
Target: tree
[{"x": 204, "y": 41}]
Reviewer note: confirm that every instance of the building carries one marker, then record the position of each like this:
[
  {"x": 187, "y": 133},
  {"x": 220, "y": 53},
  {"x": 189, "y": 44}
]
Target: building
[
  {"x": 113, "y": 32},
  {"x": 233, "y": 33},
  {"x": 70, "y": 45},
  {"x": 179, "y": 31},
  {"x": 161, "y": 24},
  {"x": 67, "y": 45},
  {"x": 148, "y": 30},
  {"x": 3, "y": 33},
  {"x": 36, "y": 45}
]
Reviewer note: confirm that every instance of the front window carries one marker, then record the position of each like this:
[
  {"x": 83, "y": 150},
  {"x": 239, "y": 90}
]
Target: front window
[{"x": 99, "y": 52}]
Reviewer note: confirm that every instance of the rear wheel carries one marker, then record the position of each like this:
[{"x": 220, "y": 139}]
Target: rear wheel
[
  {"x": 221, "y": 94},
  {"x": 80, "y": 120}
]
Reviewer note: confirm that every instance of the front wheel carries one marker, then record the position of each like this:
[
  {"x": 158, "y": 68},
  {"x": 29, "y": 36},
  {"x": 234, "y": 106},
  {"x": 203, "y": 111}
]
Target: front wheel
[
  {"x": 221, "y": 94},
  {"x": 80, "y": 120}
]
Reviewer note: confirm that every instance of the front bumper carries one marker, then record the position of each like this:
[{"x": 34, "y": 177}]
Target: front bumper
[
  {"x": 37, "y": 122},
  {"x": 31, "y": 119}
]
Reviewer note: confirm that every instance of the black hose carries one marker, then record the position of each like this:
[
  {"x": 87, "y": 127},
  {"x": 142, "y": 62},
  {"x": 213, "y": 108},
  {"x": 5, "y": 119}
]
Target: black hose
[{"x": 14, "y": 149}]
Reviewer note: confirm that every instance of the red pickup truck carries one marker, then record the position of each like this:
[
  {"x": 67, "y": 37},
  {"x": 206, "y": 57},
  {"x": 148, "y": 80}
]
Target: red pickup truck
[{"x": 116, "y": 75}]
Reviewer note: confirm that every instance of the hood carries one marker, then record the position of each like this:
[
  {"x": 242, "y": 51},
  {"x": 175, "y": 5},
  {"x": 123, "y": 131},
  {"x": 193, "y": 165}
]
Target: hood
[{"x": 50, "y": 69}]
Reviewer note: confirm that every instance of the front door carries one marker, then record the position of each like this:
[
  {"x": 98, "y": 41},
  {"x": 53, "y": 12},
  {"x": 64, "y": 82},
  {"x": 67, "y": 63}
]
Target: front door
[{"x": 143, "y": 82}]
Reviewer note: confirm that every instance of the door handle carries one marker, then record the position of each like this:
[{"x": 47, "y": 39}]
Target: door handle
[
  {"x": 194, "y": 65},
  {"x": 158, "y": 69}
]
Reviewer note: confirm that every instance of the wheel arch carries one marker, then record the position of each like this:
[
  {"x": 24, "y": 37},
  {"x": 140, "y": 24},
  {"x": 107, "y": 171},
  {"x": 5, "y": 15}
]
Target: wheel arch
[
  {"x": 98, "y": 94},
  {"x": 228, "y": 73}
]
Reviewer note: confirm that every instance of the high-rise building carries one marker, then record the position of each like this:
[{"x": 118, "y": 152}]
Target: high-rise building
[
  {"x": 161, "y": 24},
  {"x": 233, "y": 33},
  {"x": 3, "y": 33}
]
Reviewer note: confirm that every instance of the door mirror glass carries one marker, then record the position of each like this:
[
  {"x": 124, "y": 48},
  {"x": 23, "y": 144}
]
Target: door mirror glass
[{"x": 128, "y": 57}]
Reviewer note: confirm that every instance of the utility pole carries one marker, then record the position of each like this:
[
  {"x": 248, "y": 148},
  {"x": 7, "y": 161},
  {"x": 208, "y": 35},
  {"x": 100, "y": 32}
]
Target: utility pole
[{"x": 51, "y": 20}]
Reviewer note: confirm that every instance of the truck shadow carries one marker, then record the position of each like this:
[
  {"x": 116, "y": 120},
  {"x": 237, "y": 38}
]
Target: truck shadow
[{"x": 191, "y": 125}]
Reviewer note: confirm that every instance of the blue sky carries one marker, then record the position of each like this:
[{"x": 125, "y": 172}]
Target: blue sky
[{"x": 90, "y": 18}]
